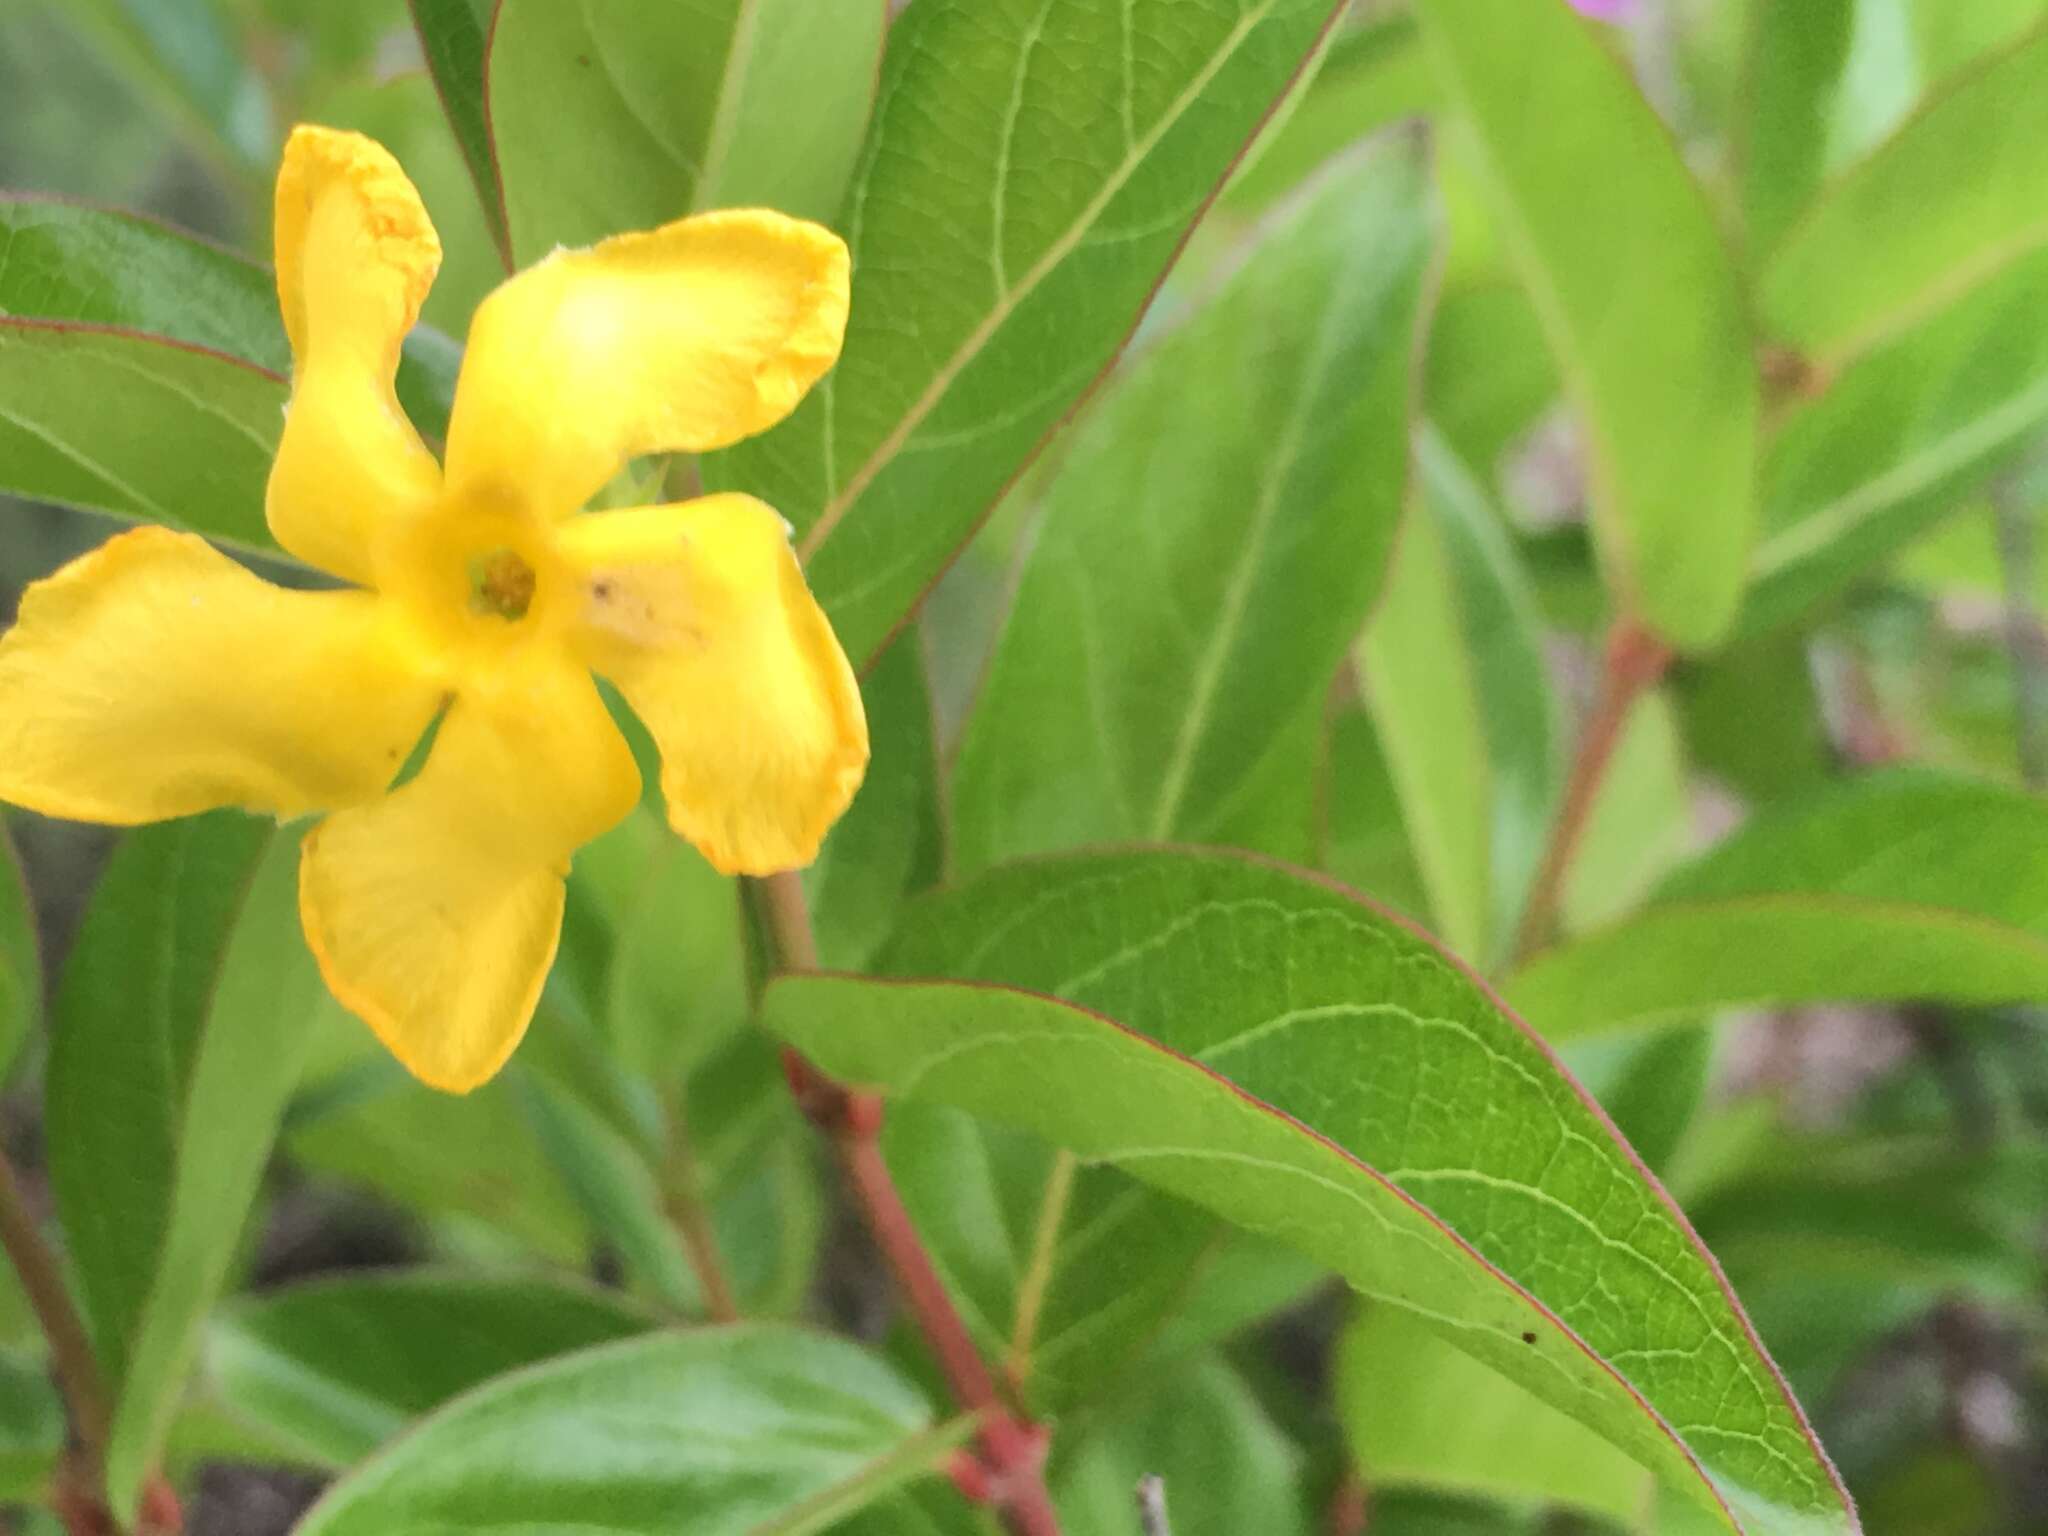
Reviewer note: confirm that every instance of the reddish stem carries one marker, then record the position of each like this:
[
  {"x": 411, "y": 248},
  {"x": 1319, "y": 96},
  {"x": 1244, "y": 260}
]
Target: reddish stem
[
  {"x": 1008, "y": 1472},
  {"x": 1635, "y": 659}
]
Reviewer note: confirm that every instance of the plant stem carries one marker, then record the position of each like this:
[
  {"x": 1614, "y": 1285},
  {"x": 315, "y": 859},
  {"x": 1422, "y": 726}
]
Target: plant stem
[
  {"x": 1634, "y": 660},
  {"x": 682, "y": 1196},
  {"x": 1009, "y": 1474},
  {"x": 1152, "y": 1507},
  {"x": 72, "y": 1361}
]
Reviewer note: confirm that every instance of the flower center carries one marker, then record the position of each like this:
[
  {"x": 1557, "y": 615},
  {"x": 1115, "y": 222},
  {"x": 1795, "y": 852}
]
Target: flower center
[{"x": 501, "y": 585}]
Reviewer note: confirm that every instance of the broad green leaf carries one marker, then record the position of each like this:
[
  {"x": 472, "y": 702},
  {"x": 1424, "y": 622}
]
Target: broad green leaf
[
  {"x": 1902, "y": 884},
  {"x": 1419, "y": 1413},
  {"x": 1213, "y": 538},
  {"x": 143, "y": 428},
  {"x": 1796, "y": 53},
  {"x": 1617, "y": 248},
  {"x": 751, "y": 1431},
  {"x": 21, "y": 962},
  {"x": 453, "y": 37},
  {"x": 1944, "y": 206},
  {"x": 339, "y": 1366},
  {"x": 1855, "y": 475},
  {"x": 98, "y": 267},
  {"x": 1227, "y": 1468},
  {"x": 182, "y": 1023},
  {"x": 888, "y": 845},
  {"x": 1031, "y": 167},
  {"x": 1381, "y": 1113},
  {"x": 704, "y": 104}
]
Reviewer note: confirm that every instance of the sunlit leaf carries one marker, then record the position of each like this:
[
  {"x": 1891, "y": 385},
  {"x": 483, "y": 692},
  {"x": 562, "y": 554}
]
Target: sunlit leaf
[
  {"x": 1024, "y": 184},
  {"x": 1904, "y": 884},
  {"x": 1204, "y": 558},
  {"x": 1380, "y": 1112},
  {"x": 1616, "y": 246}
]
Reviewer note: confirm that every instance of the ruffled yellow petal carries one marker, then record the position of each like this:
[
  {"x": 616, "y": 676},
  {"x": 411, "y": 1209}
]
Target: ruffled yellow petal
[
  {"x": 687, "y": 337},
  {"x": 154, "y": 678},
  {"x": 434, "y": 913},
  {"x": 356, "y": 254},
  {"x": 700, "y": 614}
]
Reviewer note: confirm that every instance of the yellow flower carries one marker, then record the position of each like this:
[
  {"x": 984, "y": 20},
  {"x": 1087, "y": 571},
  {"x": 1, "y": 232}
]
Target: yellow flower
[{"x": 154, "y": 677}]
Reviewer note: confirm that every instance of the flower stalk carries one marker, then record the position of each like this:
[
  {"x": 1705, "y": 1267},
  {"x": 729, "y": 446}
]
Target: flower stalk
[
  {"x": 1007, "y": 1471},
  {"x": 1634, "y": 661}
]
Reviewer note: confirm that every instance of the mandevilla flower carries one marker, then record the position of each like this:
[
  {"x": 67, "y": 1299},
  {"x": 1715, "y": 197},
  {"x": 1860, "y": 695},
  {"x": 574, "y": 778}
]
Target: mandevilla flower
[{"x": 154, "y": 677}]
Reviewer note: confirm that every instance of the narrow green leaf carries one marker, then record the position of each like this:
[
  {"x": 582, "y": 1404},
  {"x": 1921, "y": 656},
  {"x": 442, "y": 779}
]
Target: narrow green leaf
[
  {"x": 1206, "y": 554},
  {"x": 1640, "y": 822},
  {"x": 31, "y": 1431},
  {"x": 1381, "y": 1113},
  {"x": 1227, "y": 1468},
  {"x": 339, "y": 1366},
  {"x": 752, "y": 1431},
  {"x": 1031, "y": 167},
  {"x": 1489, "y": 373},
  {"x": 1854, "y": 476},
  {"x": 1796, "y": 52},
  {"x": 1419, "y": 1413},
  {"x": 712, "y": 104},
  {"x": 21, "y": 961},
  {"x": 1903, "y": 884},
  {"x": 888, "y": 846},
  {"x": 1617, "y": 248},
  {"x": 1950, "y": 201},
  {"x": 183, "y": 1021},
  {"x": 453, "y": 36},
  {"x": 1418, "y": 682}
]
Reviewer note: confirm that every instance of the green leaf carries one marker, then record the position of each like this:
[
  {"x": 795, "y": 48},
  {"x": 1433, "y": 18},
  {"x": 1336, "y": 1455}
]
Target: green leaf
[
  {"x": 1381, "y": 1113},
  {"x": 339, "y": 1366},
  {"x": 1489, "y": 374},
  {"x": 143, "y": 428},
  {"x": 888, "y": 846},
  {"x": 181, "y": 1026},
  {"x": 101, "y": 267},
  {"x": 1452, "y": 667},
  {"x": 21, "y": 961},
  {"x": 1949, "y": 202},
  {"x": 1024, "y": 185},
  {"x": 453, "y": 36},
  {"x": 1617, "y": 248},
  {"x": 1206, "y": 554},
  {"x": 1796, "y": 56},
  {"x": 1854, "y": 476},
  {"x": 712, "y": 104},
  {"x": 1227, "y": 1469},
  {"x": 1640, "y": 823},
  {"x": 753, "y": 1431},
  {"x": 1901, "y": 884},
  {"x": 1419, "y": 1413},
  {"x": 31, "y": 1431}
]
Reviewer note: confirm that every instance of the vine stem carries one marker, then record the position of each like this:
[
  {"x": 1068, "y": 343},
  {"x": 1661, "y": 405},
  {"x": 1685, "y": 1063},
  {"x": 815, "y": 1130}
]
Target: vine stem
[
  {"x": 75, "y": 1495},
  {"x": 1634, "y": 660},
  {"x": 1008, "y": 1472}
]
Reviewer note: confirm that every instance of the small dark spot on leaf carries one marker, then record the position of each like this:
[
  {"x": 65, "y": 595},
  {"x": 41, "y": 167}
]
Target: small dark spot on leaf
[
  {"x": 583, "y": 59},
  {"x": 1528, "y": 1338}
]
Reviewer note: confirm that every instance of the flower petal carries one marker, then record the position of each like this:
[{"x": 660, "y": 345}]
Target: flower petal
[
  {"x": 154, "y": 677},
  {"x": 356, "y": 254},
  {"x": 434, "y": 913},
  {"x": 687, "y": 337},
  {"x": 700, "y": 614}
]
